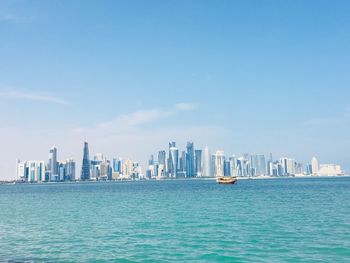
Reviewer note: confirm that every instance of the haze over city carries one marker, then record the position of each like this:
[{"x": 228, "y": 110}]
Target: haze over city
[{"x": 260, "y": 77}]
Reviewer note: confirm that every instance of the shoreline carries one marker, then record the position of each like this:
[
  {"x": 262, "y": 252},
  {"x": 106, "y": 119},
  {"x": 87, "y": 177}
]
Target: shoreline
[{"x": 15, "y": 182}]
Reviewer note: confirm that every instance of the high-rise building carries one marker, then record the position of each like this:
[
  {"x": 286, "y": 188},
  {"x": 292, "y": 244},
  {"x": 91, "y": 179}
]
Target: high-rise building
[
  {"x": 258, "y": 165},
  {"x": 308, "y": 169},
  {"x": 207, "y": 163},
  {"x": 262, "y": 165},
  {"x": 190, "y": 160},
  {"x": 22, "y": 170},
  {"x": 314, "y": 165},
  {"x": 284, "y": 165},
  {"x": 70, "y": 170},
  {"x": 36, "y": 171},
  {"x": 85, "y": 167},
  {"x": 291, "y": 169},
  {"x": 198, "y": 163},
  {"x": 127, "y": 169},
  {"x": 219, "y": 163},
  {"x": 53, "y": 165},
  {"x": 330, "y": 170},
  {"x": 227, "y": 168},
  {"x": 162, "y": 158},
  {"x": 233, "y": 166},
  {"x": 173, "y": 161}
]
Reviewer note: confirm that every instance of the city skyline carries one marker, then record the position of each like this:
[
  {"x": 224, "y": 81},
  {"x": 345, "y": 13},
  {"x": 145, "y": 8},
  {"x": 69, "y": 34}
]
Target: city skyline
[
  {"x": 246, "y": 76},
  {"x": 169, "y": 164}
]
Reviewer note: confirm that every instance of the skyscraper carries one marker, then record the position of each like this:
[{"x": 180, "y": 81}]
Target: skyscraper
[
  {"x": 314, "y": 165},
  {"x": 206, "y": 163},
  {"x": 190, "y": 160},
  {"x": 161, "y": 158},
  {"x": 70, "y": 169},
  {"x": 174, "y": 160},
  {"x": 219, "y": 163},
  {"x": 85, "y": 167},
  {"x": 198, "y": 163},
  {"x": 53, "y": 164}
]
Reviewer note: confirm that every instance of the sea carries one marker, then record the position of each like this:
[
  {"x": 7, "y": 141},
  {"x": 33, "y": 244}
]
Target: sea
[{"x": 276, "y": 220}]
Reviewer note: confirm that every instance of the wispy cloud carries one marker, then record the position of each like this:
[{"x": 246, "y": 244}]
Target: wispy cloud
[
  {"x": 25, "y": 95},
  {"x": 185, "y": 106},
  {"x": 131, "y": 122},
  {"x": 135, "y": 119}
]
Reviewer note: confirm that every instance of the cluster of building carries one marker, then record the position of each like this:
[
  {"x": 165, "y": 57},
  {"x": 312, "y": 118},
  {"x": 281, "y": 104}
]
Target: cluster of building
[
  {"x": 52, "y": 171},
  {"x": 96, "y": 169},
  {"x": 197, "y": 163},
  {"x": 171, "y": 164}
]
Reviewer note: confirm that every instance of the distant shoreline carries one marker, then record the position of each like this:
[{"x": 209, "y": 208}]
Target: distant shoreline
[{"x": 16, "y": 182}]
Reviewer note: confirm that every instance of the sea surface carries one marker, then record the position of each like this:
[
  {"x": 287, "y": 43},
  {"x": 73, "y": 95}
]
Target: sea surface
[{"x": 278, "y": 220}]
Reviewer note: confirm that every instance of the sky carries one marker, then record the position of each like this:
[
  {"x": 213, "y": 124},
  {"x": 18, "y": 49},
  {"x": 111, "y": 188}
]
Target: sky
[{"x": 129, "y": 76}]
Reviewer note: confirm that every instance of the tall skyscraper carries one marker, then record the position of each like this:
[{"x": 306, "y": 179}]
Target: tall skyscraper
[
  {"x": 53, "y": 164},
  {"x": 173, "y": 161},
  {"x": 206, "y": 163},
  {"x": 162, "y": 158},
  {"x": 219, "y": 163},
  {"x": 284, "y": 165},
  {"x": 85, "y": 167},
  {"x": 36, "y": 171},
  {"x": 198, "y": 163},
  {"x": 314, "y": 165},
  {"x": 233, "y": 166},
  {"x": 227, "y": 168},
  {"x": 190, "y": 160},
  {"x": 70, "y": 169}
]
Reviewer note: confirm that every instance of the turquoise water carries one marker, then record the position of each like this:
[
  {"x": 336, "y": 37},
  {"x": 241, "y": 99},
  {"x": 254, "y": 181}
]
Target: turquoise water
[{"x": 289, "y": 220}]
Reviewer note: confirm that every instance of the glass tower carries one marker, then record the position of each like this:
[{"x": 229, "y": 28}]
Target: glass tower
[
  {"x": 85, "y": 167},
  {"x": 190, "y": 160}
]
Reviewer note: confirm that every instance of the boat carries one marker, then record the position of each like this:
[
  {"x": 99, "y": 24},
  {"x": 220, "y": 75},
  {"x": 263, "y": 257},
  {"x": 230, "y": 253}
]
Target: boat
[{"x": 226, "y": 180}]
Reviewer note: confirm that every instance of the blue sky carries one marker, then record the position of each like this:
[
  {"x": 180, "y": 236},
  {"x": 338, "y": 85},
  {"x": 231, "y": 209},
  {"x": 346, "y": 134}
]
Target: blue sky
[{"x": 129, "y": 76}]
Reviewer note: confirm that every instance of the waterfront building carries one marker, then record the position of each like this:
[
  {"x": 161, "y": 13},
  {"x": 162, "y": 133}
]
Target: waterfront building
[
  {"x": 212, "y": 165},
  {"x": 284, "y": 166},
  {"x": 198, "y": 163},
  {"x": 173, "y": 161},
  {"x": 22, "y": 171},
  {"x": 308, "y": 169},
  {"x": 117, "y": 165},
  {"x": 254, "y": 166},
  {"x": 161, "y": 171},
  {"x": 53, "y": 165},
  {"x": 36, "y": 171},
  {"x": 162, "y": 158},
  {"x": 190, "y": 160},
  {"x": 290, "y": 166},
  {"x": 233, "y": 166},
  {"x": 299, "y": 169},
  {"x": 127, "y": 169},
  {"x": 136, "y": 171},
  {"x": 227, "y": 168},
  {"x": 219, "y": 163},
  {"x": 70, "y": 170},
  {"x": 61, "y": 171},
  {"x": 85, "y": 168},
  {"x": 207, "y": 163},
  {"x": 330, "y": 170},
  {"x": 314, "y": 166},
  {"x": 261, "y": 164},
  {"x": 183, "y": 164}
]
